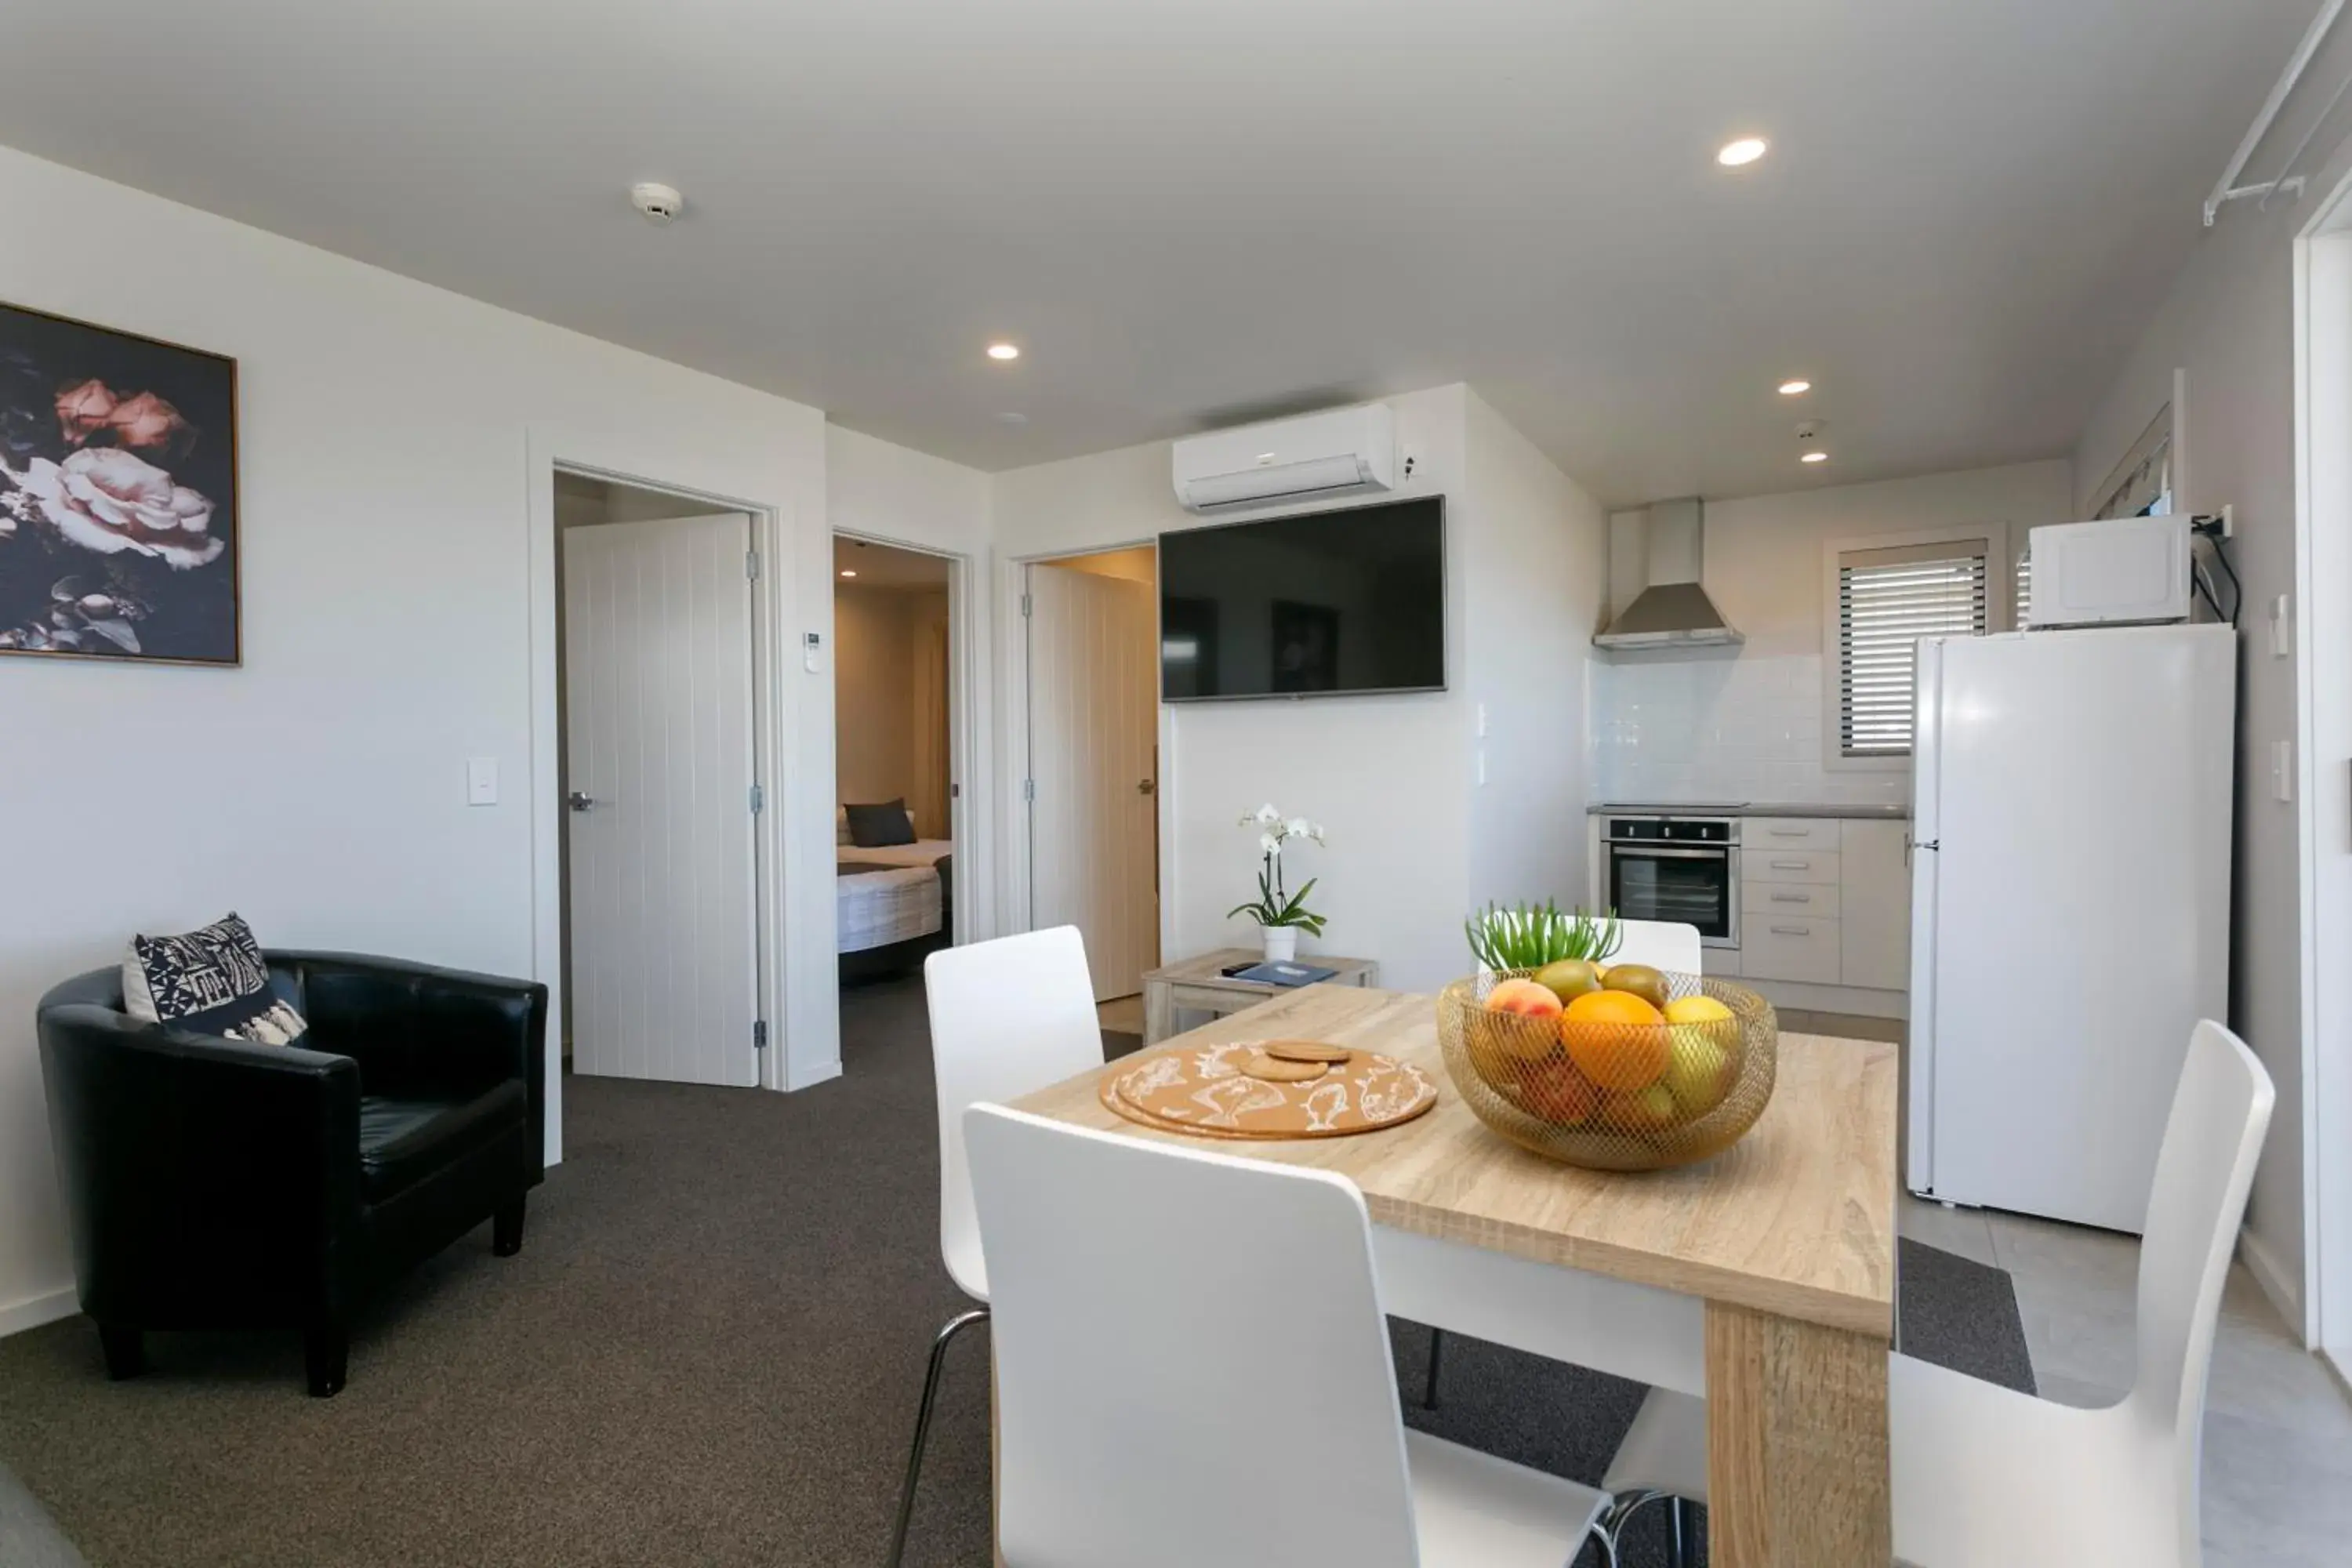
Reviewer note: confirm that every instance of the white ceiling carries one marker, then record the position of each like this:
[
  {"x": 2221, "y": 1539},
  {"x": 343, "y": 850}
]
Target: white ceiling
[{"x": 1189, "y": 213}]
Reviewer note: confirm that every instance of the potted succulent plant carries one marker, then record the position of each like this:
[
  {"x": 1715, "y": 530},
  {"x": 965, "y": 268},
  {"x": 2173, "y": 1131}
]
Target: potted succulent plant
[{"x": 1280, "y": 915}]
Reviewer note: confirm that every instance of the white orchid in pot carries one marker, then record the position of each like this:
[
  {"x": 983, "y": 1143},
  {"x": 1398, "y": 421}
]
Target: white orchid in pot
[{"x": 1280, "y": 915}]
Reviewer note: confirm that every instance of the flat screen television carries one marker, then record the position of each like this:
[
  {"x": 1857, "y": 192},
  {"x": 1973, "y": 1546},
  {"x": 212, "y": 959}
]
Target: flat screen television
[{"x": 1314, "y": 604}]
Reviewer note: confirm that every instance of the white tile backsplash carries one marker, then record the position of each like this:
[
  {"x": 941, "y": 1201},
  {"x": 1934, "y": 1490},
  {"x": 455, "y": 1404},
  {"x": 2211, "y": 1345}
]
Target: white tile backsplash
[{"x": 1707, "y": 727}]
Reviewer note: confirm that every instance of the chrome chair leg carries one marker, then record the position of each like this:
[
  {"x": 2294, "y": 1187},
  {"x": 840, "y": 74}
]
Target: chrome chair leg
[
  {"x": 1683, "y": 1521},
  {"x": 946, "y": 1337},
  {"x": 1436, "y": 1353}
]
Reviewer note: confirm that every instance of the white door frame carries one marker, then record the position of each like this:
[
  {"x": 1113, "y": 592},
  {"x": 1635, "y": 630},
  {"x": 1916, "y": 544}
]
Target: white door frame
[
  {"x": 2321, "y": 613},
  {"x": 1012, "y": 766},
  {"x": 548, "y": 450},
  {"x": 968, "y": 788}
]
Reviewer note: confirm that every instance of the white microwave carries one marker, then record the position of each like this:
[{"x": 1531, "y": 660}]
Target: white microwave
[{"x": 2127, "y": 570}]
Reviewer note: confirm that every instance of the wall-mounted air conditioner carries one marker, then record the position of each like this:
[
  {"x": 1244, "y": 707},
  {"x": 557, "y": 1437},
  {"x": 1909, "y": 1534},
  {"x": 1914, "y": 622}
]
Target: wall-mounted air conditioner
[{"x": 1348, "y": 451}]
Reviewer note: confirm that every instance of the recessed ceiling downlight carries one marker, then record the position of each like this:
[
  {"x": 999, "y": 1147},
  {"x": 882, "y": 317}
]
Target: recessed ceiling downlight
[
  {"x": 1815, "y": 456},
  {"x": 1796, "y": 388},
  {"x": 1746, "y": 150},
  {"x": 1007, "y": 351},
  {"x": 849, "y": 572}
]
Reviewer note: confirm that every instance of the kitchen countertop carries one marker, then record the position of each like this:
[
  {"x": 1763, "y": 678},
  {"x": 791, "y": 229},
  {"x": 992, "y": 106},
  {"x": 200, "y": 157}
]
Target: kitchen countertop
[{"x": 1757, "y": 808}]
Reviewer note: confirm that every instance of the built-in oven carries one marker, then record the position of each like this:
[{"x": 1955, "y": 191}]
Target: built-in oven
[{"x": 1680, "y": 869}]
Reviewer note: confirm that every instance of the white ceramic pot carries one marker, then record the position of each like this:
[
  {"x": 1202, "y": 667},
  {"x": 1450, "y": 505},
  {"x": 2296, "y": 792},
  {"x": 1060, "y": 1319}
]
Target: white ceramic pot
[{"x": 1281, "y": 944}]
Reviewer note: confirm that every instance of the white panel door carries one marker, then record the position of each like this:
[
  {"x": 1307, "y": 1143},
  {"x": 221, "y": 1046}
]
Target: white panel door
[
  {"x": 658, "y": 706},
  {"x": 1094, "y": 702}
]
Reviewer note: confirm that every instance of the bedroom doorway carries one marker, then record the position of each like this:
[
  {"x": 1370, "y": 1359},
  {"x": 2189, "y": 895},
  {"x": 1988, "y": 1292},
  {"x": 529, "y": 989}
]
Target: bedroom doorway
[
  {"x": 894, "y": 618},
  {"x": 656, "y": 683},
  {"x": 1092, "y": 625}
]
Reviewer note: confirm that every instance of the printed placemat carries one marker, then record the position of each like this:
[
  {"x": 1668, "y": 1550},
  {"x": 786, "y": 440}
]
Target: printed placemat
[{"x": 1254, "y": 1089}]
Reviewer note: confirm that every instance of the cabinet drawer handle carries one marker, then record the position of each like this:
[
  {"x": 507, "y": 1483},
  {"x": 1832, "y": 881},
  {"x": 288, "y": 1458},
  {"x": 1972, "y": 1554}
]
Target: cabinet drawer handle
[
  {"x": 1789, "y": 832},
  {"x": 1792, "y": 931},
  {"x": 1792, "y": 864},
  {"x": 1793, "y": 897}
]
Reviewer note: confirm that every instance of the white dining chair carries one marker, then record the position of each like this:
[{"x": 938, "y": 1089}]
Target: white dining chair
[
  {"x": 1192, "y": 1367},
  {"x": 1007, "y": 1016},
  {"x": 1662, "y": 944},
  {"x": 1987, "y": 1478}
]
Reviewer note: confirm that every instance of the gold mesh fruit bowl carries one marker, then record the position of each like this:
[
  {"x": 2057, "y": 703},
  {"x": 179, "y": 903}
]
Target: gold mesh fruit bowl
[{"x": 1668, "y": 1070}]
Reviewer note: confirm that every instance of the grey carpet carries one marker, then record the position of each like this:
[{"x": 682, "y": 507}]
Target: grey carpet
[{"x": 708, "y": 1352}]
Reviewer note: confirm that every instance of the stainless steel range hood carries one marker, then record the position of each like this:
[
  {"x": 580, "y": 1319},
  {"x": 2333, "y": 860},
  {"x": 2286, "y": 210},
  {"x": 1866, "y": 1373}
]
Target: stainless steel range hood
[{"x": 1674, "y": 611}]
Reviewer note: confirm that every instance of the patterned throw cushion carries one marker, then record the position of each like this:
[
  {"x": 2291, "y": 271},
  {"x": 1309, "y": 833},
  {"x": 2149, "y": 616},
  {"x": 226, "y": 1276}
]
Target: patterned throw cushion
[{"x": 213, "y": 981}]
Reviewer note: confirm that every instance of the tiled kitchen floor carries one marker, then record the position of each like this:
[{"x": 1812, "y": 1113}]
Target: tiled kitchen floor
[{"x": 2278, "y": 1429}]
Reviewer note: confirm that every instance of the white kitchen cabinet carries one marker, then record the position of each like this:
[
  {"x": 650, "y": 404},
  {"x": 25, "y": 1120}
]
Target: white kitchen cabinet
[
  {"x": 1791, "y": 833},
  {"x": 1788, "y": 899},
  {"x": 1875, "y": 888},
  {"x": 1789, "y": 947},
  {"x": 1788, "y": 865}
]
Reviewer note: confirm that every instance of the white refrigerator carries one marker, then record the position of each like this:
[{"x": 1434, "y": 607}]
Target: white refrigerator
[{"x": 2070, "y": 905}]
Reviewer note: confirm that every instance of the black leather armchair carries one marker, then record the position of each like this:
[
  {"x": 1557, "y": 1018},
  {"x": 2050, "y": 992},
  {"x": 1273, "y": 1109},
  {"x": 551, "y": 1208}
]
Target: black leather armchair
[{"x": 215, "y": 1184}]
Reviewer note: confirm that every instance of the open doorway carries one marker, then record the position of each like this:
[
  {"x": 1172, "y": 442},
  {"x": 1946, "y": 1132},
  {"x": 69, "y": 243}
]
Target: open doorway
[
  {"x": 894, "y": 615},
  {"x": 657, "y": 705},
  {"x": 1093, "y": 718}
]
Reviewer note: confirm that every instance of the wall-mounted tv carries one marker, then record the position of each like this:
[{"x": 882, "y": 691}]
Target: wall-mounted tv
[{"x": 1314, "y": 604}]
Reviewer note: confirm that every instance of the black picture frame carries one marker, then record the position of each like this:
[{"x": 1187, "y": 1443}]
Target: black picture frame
[{"x": 120, "y": 522}]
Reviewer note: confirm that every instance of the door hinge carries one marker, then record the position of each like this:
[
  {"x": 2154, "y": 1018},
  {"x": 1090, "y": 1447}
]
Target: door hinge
[
  {"x": 760, "y": 1034},
  {"x": 1026, "y": 603},
  {"x": 758, "y": 800},
  {"x": 752, "y": 564},
  {"x": 1028, "y": 789}
]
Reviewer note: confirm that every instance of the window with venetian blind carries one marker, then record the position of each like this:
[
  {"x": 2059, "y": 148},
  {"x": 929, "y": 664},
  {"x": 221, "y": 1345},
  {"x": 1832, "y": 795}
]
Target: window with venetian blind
[{"x": 1887, "y": 601}]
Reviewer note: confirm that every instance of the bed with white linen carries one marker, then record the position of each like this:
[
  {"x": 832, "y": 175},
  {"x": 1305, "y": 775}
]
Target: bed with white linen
[
  {"x": 886, "y": 905},
  {"x": 921, "y": 852}
]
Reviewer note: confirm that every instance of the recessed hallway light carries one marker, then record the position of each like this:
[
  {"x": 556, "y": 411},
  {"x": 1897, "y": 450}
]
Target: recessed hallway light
[
  {"x": 1795, "y": 388},
  {"x": 848, "y": 571},
  {"x": 1746, "y": 150},
  {"x": 1815, "y": 456},
  {"x": 1004, "y": 351}
]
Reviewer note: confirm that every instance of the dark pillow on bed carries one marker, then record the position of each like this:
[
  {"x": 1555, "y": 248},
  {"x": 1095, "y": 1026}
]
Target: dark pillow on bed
[{"x": 873, "y": 827}]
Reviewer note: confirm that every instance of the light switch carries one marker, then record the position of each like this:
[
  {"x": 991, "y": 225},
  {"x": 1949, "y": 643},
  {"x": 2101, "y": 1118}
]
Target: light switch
[
  {"x": 813, "y": 653},
  {"x": 482, "y": 780}
]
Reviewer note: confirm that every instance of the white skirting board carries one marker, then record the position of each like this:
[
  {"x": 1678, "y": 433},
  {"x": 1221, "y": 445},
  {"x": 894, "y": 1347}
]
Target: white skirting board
[
  {"x": 34, "y": 1311},
  {"x": 2275, "y": 1282}
]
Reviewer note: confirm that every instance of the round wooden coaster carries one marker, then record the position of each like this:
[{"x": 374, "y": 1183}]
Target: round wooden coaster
[
  {"x": 1306, "y": 1051},
  {"x": 1268, "y": 1067},
  {"x": 1209, "y": 1090}
]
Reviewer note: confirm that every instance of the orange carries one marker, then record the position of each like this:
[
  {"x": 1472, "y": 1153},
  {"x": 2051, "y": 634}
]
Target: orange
[{"x": 1616, "y": 1039}]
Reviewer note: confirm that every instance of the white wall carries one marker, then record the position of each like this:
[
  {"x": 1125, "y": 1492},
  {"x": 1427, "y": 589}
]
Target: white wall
[
  {"x": 1748, "y": 723},
  {"x": 320, "y": 789},
  {"x": 2228, "y": 324},
  {"x": 1537, "y": 560},
  {"x": 1391, "y": 777}
]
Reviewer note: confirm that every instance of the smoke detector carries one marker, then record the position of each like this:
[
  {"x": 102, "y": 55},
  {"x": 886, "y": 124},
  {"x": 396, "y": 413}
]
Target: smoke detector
[{"x": 659, "y": 203}]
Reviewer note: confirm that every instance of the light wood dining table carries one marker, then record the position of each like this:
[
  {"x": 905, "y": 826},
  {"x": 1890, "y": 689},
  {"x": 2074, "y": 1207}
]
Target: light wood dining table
[{"x": 1763, "y": 1278}]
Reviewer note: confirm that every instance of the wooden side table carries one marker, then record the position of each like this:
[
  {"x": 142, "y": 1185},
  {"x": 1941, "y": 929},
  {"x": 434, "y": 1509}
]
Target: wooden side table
[{"x": 1197, "y": 984}]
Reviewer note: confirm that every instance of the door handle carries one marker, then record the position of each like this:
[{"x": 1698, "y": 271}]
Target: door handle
[
  {"x": 1146, "y": 787},
  {"x": 579, "y": 802}
]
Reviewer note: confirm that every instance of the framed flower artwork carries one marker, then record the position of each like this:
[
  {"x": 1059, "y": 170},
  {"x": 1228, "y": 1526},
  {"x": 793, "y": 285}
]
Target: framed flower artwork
[{"x": 118, "y": 495}]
